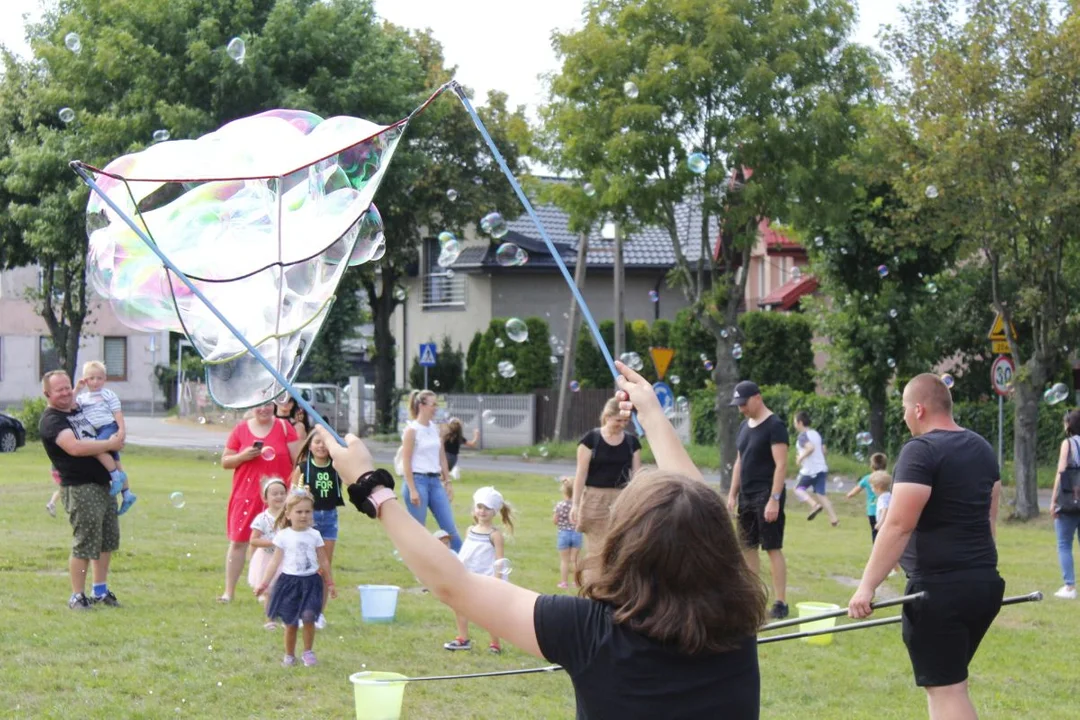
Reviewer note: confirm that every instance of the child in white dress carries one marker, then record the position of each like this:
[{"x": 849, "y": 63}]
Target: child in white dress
[{"x": 263, "y": 531}]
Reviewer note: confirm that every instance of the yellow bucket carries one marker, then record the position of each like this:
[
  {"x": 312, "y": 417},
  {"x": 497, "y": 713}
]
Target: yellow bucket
[
  {"x": 377, "y": 700},
  {"x": 809, "y": 609}
]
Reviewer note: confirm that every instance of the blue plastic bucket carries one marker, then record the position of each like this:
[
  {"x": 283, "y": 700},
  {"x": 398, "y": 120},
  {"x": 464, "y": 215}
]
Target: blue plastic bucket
[{"x": 378, "y": 603}]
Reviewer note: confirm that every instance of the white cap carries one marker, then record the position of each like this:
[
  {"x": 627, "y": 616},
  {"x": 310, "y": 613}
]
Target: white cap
[{"x": 488, "y": 497}]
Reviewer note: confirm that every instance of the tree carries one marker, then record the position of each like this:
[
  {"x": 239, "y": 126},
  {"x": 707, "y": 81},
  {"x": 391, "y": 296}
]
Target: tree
[
  {"x": 531, "y": 360},
  {"x": 993, "y": 101},
  {"x": 448, "y": 375},
  {"x": 777, "y": 349},
  {"x": 763, "y": 91}
]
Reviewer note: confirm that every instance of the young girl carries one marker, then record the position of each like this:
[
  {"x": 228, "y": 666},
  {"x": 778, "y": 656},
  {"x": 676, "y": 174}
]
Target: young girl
[
  {"x": 482, "y": 553},
  {"x": 878, "y": 461},
  {"x": 299, "y": 552},
  {"x": 314, "y": 474},
  {"x": 881, "y": 484},
  {"x": 101, "y": 408},
  {"x": 454, "y": 438},
  {"x": 262, "y": 535},
  {"x": 568, "y": 540}
]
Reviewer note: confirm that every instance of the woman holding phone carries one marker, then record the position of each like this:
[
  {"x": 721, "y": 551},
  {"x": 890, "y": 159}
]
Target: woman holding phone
[{"x": 259, "y": 447}]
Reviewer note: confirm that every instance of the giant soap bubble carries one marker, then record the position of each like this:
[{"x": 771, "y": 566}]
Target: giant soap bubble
[{"x": 264, "y": 216}]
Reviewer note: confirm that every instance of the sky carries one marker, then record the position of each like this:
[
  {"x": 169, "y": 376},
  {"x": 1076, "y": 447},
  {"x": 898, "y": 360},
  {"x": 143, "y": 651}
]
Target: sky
[{"x": 495, "y": 45}]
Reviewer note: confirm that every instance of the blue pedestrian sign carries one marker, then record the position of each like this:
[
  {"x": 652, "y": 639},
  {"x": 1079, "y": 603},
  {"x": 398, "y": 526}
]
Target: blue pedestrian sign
[
  {"x": 428, "y": 354},
  {"x": 664, "y": 395}
]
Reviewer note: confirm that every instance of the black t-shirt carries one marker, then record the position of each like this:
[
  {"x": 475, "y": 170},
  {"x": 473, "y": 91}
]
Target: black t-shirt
[
  {"x": 452, "y": 447},
  {"x": 73, "y": 470},
  {"x": 622, "y": 675},
  {"x": 755, "y": 453},
  {"x": 324, "y": 485},
  {"x": 953, "y": 532},
  {"x": 611, "y": 465}
]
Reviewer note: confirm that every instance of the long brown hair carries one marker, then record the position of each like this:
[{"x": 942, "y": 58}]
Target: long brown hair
[
  {"x": 454, "y": 432},
  {"x": 672, "y": 569}
]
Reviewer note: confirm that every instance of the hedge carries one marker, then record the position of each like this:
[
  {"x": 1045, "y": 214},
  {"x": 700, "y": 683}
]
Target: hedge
[{"x": 531, "y": 359}]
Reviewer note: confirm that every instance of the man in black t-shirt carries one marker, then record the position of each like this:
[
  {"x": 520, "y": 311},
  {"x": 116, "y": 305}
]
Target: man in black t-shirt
[
  {"x": 84, "y": 484},
  {"x": 942, "y": 521},
  {"x": 757, "y": 482}
]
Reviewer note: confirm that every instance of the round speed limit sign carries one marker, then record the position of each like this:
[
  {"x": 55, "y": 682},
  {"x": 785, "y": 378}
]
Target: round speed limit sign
[{"x": 1001, "y": 374}]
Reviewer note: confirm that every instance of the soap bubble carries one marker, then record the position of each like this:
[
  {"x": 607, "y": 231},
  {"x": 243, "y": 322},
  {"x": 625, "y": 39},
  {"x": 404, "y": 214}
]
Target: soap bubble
[
  {"x": 709, "y": 365},
  {"x": 488, "y": 417},
  {"x": 499, "y": 343},
  {"x": 494, "y": 225},
  {"x": 883, "y": 270},
  {"x": 1056, "y": 394},
  {"x": 1015, "y": 166},
  {"x": 506, "y": 369},
  {"x": 177, "y": 500},
  {"x": 201, "y": 421},
  {"x": 574, "y": 386},
  {"x": 554, "y": 360},
  {"x": 698, "y": 163},
  {"x": 268, "y": 453},
  {"x": 931, "y": 288},
  {"x": 675, "y": 380},
  {"x": 838, "y": 482},
  {"x": 893, "y": 312},
  {"x": 654, "y": 296},
  {"x": 704, "y": 357},
  {"x": 510, "y": 255},
  {"x": 630, "y": 89},
  {"x": 446, "y": 236},
  {"x": 66, "y": 115},
  {"x": 931, "y": 191},
  {"x": 632, "y": 360},
  {"x": 864, "y": 438},
  {"x": 517, "y": 330},
  {"x": 589, "y": 189},
  {"x": 736, "y": 351},
  {"x": 161, "y": 135},
  {"x": 451, "y": 194},
  {"x": 724, "y": 333},
  {"x": 451, "y": 251},
  {"x": 73, "y": 42},
  {"x": 682, "y": 404},
  {"x": 819, "y": 241},
  {"x": 891, "y": 363},
  {"x": 237, "y": 50},
  {"x": 948, "y": 380},
  {"x": 543, "y": 451},
  {"x": 400, "y": 293},
  {"x": 503, "y": 567}
]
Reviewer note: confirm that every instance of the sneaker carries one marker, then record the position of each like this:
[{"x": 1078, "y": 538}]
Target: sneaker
[
  {"x": 779, "y": 610},
  {"x": 108, "y": 600},
  {"x": 320, "y": 623},
  {"x": 79, "y": 601},
  {"x": 1066, "y": 593},
  {"x": 309, "y": 658},
  {"x": 289, "y": 661},
  {"x": 128, "y": 501},
  {"x": 494, "y": 649},
  {"x": 815, "y": 512},
  {"x": 119, "y": 477},
  {"x": 458, "y": 644},
  {"x": 51, "y": 509}
]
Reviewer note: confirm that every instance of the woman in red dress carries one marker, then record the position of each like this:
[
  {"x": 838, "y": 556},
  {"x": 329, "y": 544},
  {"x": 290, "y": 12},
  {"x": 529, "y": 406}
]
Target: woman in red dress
[{"x": 259, "y": 447}]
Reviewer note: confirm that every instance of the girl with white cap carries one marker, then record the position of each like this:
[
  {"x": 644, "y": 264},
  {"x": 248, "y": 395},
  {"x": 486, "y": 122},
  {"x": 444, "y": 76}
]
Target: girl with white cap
[{"x": 482, "y": 553}]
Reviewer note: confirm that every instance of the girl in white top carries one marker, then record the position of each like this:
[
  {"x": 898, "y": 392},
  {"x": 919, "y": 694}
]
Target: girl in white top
[
  {"x": 424, "y": 467},
  {"x": 482, "y": 553},
  {"x": 263, "y": 531},
  {"x": 881, "y": 483},
  {"x": 813, "y": 472},
  {"x": 298, "y": 591}
]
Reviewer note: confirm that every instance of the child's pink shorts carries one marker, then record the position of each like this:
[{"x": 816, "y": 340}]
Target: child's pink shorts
[{"x": 55, "y": 475}]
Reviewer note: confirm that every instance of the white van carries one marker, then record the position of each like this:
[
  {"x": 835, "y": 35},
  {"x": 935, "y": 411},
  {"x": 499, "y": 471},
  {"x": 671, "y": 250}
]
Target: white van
[{"x": 332, "y": 402}]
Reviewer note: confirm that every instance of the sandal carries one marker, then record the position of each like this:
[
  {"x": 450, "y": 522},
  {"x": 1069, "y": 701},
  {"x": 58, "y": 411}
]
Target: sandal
[
  {"x": 270, "y": 626},
  {"x": 224, "y": 600}
]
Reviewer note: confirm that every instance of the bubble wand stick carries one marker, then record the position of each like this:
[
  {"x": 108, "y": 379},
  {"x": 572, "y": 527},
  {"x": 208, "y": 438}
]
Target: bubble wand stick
[{"x": 82, "y": 171}]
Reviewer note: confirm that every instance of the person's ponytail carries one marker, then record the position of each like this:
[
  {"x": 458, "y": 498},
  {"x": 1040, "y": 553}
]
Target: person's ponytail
[{"x": 414, "y": 404}]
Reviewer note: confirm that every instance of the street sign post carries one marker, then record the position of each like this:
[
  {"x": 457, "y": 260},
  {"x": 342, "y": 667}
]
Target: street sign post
[
  {"x": 428, "y": 354},
  {"x": 999, "y": 343},
  {"x": 661, "y": 358},
  {"x": 665, "y": 395},
  {"x": 1001, "y": 375}
]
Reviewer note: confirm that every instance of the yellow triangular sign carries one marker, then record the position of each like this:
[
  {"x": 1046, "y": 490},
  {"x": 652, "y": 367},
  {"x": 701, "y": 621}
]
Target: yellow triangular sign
[
  {"x": 997, "y": 331},
  {"x": 661, "y": 359}
]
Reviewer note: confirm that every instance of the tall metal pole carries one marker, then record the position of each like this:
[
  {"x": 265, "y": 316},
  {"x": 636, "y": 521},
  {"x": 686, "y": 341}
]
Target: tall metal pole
[
  {"x": 620, "y": 321},
  {"x": 1001, "y": 432},
  {"x": 562, "y": 409}
]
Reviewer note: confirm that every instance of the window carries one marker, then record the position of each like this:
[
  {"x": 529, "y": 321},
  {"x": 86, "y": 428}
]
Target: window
[
  {"x": 441, "y": 287},
  {"x": 116, "y": 358},
  {"x": 48, "y": 359}
]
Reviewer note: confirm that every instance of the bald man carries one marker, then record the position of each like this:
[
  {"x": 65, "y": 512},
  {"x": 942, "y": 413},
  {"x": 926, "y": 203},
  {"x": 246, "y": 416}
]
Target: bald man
[{"x": 941, "y": 525}]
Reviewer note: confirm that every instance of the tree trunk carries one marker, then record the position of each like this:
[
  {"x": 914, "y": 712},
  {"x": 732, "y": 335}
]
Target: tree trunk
[
  {"x": 1025, "y": 449},
  {"x": 562, "y": 410},
  {"x": 725, "y": 375},
  {"x": 382, "y": 311}
]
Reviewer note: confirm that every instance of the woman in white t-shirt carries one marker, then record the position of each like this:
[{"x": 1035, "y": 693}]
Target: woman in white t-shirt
[
  {"x": 813, "y": 472},
  {"x": 426, "y": 472}
]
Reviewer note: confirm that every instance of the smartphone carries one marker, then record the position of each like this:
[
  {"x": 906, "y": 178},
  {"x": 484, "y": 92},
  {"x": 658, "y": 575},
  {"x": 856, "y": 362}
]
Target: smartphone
[{"x": 257, "y": 444}]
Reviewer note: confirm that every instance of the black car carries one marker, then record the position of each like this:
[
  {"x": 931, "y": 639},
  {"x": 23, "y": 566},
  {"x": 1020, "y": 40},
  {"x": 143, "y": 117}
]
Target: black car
[{"x": 12, "y": 433}]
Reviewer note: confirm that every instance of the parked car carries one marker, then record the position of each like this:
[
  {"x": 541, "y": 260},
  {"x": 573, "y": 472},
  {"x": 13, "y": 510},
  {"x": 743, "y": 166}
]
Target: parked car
[
  {"x": 332, "y": 402},
  {"x": 12, "y": 434}
]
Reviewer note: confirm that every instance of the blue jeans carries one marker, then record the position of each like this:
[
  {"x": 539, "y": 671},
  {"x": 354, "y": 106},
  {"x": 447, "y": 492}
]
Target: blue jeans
[
  {"x": 1067, "y": 527},
  {"x": 107, "y": 431},
  {"x": 432, "y": 495}
]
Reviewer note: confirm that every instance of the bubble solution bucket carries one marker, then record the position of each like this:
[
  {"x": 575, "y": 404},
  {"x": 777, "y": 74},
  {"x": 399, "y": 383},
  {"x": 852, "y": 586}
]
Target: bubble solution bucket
[
  {"x": 809, "y": 609},
  {"x": 378, "y": 603},
  {"x": 377, "y": 700}
]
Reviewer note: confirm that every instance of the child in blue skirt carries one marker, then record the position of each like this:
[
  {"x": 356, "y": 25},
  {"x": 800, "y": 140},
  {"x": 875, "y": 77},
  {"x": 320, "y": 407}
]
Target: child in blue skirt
[{"x": 300, "y": 552}]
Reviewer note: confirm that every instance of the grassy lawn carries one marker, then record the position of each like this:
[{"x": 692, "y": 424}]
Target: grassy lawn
[{"x": 171, "y": 651}]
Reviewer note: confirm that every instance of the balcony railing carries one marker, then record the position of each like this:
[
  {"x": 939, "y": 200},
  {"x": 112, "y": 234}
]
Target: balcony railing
[{"x": 443, "y": 291}]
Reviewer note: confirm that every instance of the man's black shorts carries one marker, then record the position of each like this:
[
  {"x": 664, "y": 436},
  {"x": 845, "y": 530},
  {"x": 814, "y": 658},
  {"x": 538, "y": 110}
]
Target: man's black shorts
[
  {"x": 753, "y": 529},
  {"x": 943, "y": 631}
]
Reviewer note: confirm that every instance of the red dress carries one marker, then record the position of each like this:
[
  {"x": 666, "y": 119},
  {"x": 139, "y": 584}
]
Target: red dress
[{"x": 246, "y": 501}]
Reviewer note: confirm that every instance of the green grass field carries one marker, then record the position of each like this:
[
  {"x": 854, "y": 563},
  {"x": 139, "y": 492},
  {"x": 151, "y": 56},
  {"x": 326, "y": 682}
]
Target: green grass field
[{"x": 173, "y": 652}]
